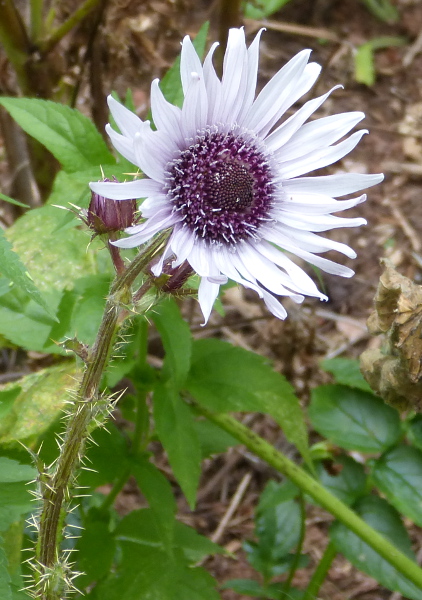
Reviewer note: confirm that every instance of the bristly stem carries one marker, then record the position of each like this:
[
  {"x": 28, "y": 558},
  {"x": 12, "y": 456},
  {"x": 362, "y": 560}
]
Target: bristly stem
[
  {"x": 85, "y": 408},
  {"x": 321, "y": 495}
]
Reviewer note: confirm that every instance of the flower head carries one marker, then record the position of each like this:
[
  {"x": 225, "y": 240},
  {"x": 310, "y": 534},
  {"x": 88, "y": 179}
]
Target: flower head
[
  {"x": 109, "y": 216},
  {"x": 225, "y": 174}
]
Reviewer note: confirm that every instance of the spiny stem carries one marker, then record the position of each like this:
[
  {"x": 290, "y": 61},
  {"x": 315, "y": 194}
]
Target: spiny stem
[
  {"x": 321, "y": 495},
  {"x": 56, "y": 490}
]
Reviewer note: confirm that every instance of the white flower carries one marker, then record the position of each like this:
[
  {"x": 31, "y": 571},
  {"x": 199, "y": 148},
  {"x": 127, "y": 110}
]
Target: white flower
[{"x": 226, "y": 176}]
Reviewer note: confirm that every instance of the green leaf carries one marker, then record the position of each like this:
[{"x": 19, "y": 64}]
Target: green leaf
[
  {"x": 177, "y": 341},
  {"x": 353, "y": 419},
  {"x": 213, "y": 439},
  {"x": 150, "y": 574},
  {"x": 381, "y": 516},
  {"x": 5, "y": 580},
  {"x": 107, "y": 457},
  {"x": 96, "y": 549},
  {"x": 41, "y": 398},
  {"x": 349, "y": 484},
  {"x": 277, "y": 527},
  {"x": 414, "y": 431},
  {"x": 398, "y": 474},
  {"x": 15, "y": 499},
  {"x": 171, "y": 84},
  {"x": 364, "y": 64},
  {"x": 174, "y": 424},
  {"x": 383, "y": 10},
  {"x": 346, "y": 371},
  {"x": 261, "y": 9},
  {"x": 224, "y": 378},
  {"x": 70, "y": 136},
  {"x": 12, "y": 201},
  {"x": 157, "y": 490},
  {"x": 140, "y": 527},
  {"x": 12, "y": 268}
]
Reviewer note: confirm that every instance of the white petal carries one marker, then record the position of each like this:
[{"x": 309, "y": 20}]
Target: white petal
[
  {"x": 207, "y": 294},
  {"x": 143, "y": 233},
  {"x": 212, "y": 85},
  {"x": 157, "y": 269},
  {"x": 295, "y": 91},
  {"x": 199, "y": 259},
  {"x": 274, "y": 306},
  {"x": 314, "y": 204},
  {"x": 189, "y": 63},
  {"x": 303, "y": 283},
  {"x": 319, "y": 159},
  {"x": 182, "y": 243},
  {"x": 319, "y": 134},
  {"x": 151, "y": 157},
  {"x": 309, "y": 241},
  {"x": 253, "y": 59},
  {"x": 235, "y": 80},
  {"x": 195, "y": 107},
  {"x": 166, "y": 116},
  {"x": 319, "y": 222},
  {"x": 283, "y": 133},
  {"x": 332, "y": 185},
  {"x": 126, "y": 120},
  {"x": 123, "y": 145},
  {"x": 127, "y": 190},
  {"x": 267, "y": 102},
  {"x": 150, "y": 206}
]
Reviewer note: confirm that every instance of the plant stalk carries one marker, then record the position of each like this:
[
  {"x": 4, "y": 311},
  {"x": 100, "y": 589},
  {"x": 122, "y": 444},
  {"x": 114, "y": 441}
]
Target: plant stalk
[
  {"x": 320, "y": 572},
  {"x": 323, "y": 497},
  {"x": 56, "y": 490}
]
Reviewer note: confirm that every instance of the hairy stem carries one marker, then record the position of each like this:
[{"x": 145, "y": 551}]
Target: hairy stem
[
  {"x": 56, "y": 489},
  {"x": 322, "y": 496}
]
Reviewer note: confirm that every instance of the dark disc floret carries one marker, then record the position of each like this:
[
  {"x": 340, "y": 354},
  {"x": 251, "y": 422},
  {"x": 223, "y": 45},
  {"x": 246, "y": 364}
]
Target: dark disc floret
[{"x": 222, "y": 187}]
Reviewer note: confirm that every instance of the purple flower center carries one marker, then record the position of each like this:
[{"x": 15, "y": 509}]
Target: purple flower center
[{"x": 222, "y": 187}]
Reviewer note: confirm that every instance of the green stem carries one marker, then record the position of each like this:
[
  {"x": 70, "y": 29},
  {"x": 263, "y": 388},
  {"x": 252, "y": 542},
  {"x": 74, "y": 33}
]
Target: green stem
[
  {"x": 320, "y": 572},
  {"x": 117, "y": 487},
  {"x": 323, "y": 497},
  {"x": 63, "y": 29},
  {"x": 36, "y": 20},
  {"x": 295, "y": 564},
  {"x": 56, "y": 489},
  {"x": 15, "y": 41}
]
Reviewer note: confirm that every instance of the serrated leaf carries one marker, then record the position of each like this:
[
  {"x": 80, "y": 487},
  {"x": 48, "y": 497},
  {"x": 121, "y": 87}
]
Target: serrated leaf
[
  {"x": 42, "y": 396},
  {"x": 157, "y": 490},
  {"x": 70, "y": 136},
  {"x": 177, "y": 341},
  {"x": 398, "y": 474},
  {"x": 349, "y": 484},
  {"x": 353, "y": 419},
  {"x": 381, "y": 516},
  {"x": 12, "y": 268},
  {"x": 224, "y": 378},
  {"x": 346, "y": 371},
  {"x": 174, "y": 424}
]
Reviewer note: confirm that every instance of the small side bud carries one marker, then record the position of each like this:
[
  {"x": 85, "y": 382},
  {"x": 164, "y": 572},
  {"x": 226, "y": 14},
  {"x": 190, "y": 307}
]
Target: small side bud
[{"x": 110, "y": 216}]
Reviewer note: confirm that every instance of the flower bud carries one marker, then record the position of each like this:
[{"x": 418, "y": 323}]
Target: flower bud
[{"x": 109, "y": 216}]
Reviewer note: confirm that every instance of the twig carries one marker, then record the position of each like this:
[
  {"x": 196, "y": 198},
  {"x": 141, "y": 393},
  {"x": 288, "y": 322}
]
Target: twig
[
  {"x": 237, "y": 498},
  {"x": 293, "y": 28}
]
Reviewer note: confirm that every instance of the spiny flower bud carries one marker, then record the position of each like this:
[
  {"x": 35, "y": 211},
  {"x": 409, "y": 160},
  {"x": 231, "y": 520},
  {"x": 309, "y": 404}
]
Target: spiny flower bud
[{"x": 109, "y": 216}]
